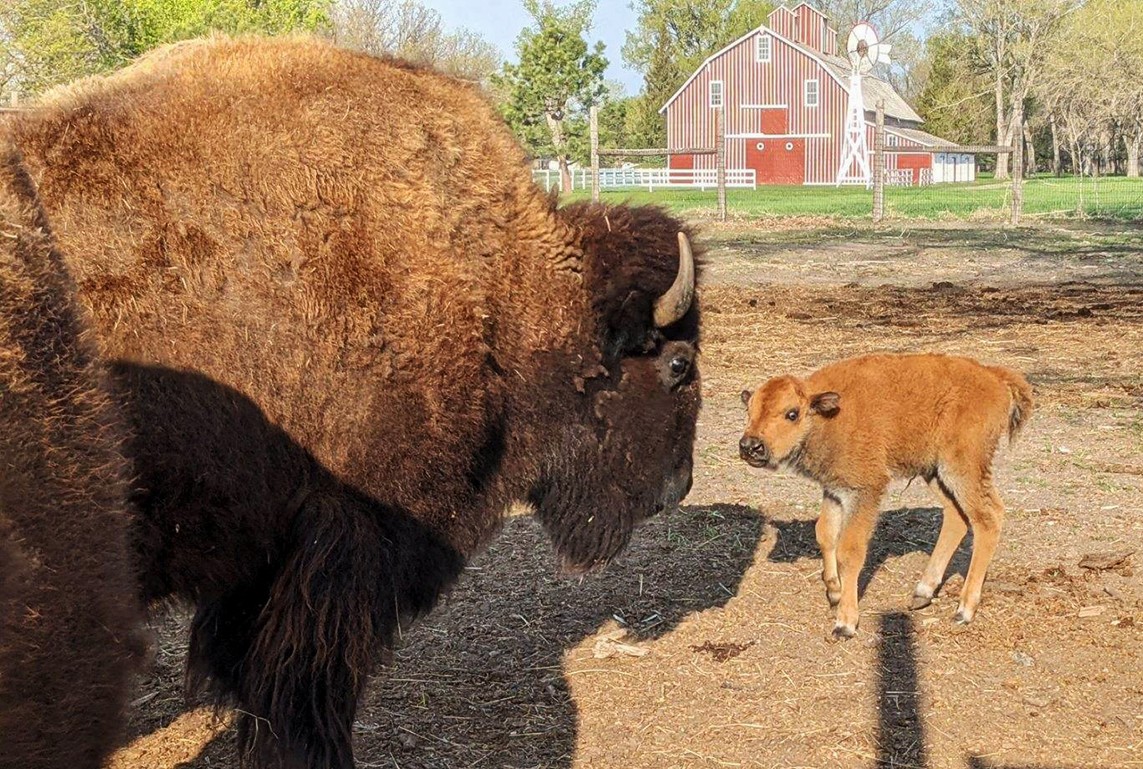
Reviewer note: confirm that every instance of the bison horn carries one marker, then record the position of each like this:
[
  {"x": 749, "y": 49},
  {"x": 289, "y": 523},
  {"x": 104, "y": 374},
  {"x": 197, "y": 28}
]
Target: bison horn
[{"x": 673, "y": 305}]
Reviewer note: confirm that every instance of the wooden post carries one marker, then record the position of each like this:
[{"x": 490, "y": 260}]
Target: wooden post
[
  {"x": 720, "y": 159},
  {"x": 879, "y": 164},
  {"x": 1017, "y": 180},
  {"x": 594, "y": 113}
]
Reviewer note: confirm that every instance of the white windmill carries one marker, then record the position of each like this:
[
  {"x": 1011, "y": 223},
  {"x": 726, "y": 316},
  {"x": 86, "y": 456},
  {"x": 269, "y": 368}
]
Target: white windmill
[{"x": 865, "y": 52}]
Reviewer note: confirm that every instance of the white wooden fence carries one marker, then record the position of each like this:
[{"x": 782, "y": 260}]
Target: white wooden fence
[{"x": 649, "y": 178}]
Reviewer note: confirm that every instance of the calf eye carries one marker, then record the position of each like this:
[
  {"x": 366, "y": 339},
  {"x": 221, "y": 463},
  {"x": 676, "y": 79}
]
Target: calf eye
[
  {"x": 679, "y": 366},
  {"x": 792, "y": 415}
]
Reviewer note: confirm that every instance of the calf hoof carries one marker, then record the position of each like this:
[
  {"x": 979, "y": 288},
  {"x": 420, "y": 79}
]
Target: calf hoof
[
  {"x": 963, "y": 616},
  {"x": 920, "y": 601},
  {"x": 843, "y": 632}
]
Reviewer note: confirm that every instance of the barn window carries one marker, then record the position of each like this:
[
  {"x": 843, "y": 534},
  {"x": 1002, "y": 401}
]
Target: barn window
[
  {"x": 716, "y": 93},
  {"x": 762, "y": 49},
  {"x": 812, "y": 92}
]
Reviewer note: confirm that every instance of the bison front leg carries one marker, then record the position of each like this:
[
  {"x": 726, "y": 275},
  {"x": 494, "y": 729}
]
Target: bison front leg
[
  {"x": 855, "y": 534},
  {"x": 354, "y": 569},
  {"x": 828, "y": 529},
  {"x": 314, "y": 644}
]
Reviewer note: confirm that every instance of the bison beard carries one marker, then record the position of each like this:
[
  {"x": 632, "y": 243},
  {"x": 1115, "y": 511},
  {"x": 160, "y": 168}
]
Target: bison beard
[
  {"x": 69, "y": 617},
  {"x": 350, "y": 332}
]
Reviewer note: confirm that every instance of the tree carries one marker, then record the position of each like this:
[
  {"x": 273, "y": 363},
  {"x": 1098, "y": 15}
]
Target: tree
[
  {"x": 615, "y": 121},
  {"x": 1092, "y": 85},
  {"x": 671, "y": 39},
  {"x": 895, "y": 21},
  {"x": 407, "y": 29},
  {"x": 689, "y": 30},
  {"x": 54, "y": 41},
  {"x": 660, "y": 81},
  {"x": 557, "y": 79},
  {"x": 1011, "y": 39},
  {"x": 954, "y": 100}
]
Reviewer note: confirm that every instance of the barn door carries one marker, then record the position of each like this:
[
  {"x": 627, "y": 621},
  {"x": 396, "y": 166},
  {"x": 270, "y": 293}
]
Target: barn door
[{"x": 777, "y": 161}]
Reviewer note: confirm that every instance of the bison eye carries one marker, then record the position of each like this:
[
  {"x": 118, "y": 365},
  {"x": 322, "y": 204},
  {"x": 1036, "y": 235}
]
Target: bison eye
[
  {"x": 792, "y": 415},
  {"x": 679, "y": 366}
]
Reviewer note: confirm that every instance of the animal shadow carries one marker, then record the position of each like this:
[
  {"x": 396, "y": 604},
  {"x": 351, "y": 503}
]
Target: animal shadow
[
  {"x": 480, "y": 679},
  {"x": 899, "y": 532},
  {"x": 900, "y": 725}
]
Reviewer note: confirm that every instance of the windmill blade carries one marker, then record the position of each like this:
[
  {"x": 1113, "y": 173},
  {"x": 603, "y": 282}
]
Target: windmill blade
[{"x": 864, "y": 49}]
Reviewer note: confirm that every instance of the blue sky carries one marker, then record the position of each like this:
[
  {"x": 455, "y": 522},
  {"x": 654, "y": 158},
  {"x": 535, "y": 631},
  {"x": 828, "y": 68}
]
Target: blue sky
[{"x": 500, "y": 21}]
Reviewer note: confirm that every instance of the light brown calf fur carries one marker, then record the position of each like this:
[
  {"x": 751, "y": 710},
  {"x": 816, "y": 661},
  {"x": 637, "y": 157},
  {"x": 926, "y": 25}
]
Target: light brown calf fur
[{"x": 856, "y": 424}]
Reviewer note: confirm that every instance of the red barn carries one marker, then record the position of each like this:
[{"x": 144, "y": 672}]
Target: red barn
[{"x": 784, "y": 91}]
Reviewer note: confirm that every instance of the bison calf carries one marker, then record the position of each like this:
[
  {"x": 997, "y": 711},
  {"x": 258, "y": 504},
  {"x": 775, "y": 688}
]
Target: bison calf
[{"x": 856, "y": 424}]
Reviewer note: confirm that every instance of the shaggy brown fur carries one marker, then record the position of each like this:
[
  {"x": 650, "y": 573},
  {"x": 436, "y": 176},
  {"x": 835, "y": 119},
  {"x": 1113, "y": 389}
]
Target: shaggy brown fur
[
  {"x": 855, "y": 424},
  {"x": 69, "y": 618},
  {"x": 351, "y": 332}
]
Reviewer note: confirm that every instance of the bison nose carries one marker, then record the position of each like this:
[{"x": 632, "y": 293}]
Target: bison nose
[{"x": 752, "y": 448}]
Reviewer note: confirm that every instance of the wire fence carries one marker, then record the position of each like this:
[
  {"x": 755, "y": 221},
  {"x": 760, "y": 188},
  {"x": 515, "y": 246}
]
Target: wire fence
[
  {"x": 1045, "y": 197},
  {"x": 909, "y": 181}
]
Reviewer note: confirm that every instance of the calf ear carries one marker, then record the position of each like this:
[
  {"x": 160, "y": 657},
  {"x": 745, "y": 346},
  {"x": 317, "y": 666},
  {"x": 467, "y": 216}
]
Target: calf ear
[
  {"x": 746, "y": 397},
  {"x": 826, "y": 404}
]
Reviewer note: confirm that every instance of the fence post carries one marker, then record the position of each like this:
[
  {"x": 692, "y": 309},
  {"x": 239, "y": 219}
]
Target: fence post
[
  {"x": 594, "y": 116},
  {"x": 720, "y": 159},
  {"x": 879, "y": 164},
  {"x": 1017, "y": 180}
]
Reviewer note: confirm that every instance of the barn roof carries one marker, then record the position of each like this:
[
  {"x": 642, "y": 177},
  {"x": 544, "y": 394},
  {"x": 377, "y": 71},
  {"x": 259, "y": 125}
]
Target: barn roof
[
  {"x": 875, "y": 88},
  {"x": 923, "y": 138},
  {"x": 811, "y": 7}
]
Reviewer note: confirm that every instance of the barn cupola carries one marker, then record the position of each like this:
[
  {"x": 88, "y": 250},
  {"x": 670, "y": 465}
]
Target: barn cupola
[{"x": 806, "y": 25}]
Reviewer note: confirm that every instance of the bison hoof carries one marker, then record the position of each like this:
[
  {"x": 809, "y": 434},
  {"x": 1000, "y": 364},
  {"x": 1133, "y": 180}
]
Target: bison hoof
[
  {"x": 843, "y": 632},
  {"x": 963, "y": 616}
]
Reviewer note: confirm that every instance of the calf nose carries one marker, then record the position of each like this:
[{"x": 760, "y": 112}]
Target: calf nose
[{"x": 750, "y": 446}]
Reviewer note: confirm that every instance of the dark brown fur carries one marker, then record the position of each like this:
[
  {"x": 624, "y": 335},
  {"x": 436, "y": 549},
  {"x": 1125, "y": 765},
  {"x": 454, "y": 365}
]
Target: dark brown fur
[
  {"x": 69, "y": 617},
  {"x": 350, "y": 332}
]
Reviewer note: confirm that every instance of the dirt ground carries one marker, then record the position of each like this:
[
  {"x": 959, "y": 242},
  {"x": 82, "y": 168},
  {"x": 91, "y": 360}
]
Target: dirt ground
[{"x": 725, "y": 661}]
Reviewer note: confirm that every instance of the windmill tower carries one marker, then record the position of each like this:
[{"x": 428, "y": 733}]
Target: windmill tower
[{"x": 864, "y": 53}]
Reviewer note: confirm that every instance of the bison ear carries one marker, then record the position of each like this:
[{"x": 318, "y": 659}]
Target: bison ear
[
  {"x": 746, "y": 397},
  {"x": 826, "y": 404}
]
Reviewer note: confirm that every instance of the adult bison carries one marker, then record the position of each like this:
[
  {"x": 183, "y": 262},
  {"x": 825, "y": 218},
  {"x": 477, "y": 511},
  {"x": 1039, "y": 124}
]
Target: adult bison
[
  {"x": 69, "y": 617},
  {"x": 351, "y": 332}
]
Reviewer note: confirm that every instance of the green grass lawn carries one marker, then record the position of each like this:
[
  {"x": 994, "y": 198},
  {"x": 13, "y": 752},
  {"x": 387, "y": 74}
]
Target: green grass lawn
[{"x": 1108, "y": 197}]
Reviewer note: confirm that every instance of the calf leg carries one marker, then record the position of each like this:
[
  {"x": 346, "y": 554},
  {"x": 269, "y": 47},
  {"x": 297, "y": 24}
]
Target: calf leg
[
  {"x": 851, "y": 551},
  {"x": 972, "y": 491},
  {"x": 987, "y": 518},
  {"x": 828, "y": 529},
  {"x": 953, "y": 528}
]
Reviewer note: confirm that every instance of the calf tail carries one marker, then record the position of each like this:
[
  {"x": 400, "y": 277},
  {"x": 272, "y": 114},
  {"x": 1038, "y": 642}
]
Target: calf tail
[{"x": 1022, "y": 404}]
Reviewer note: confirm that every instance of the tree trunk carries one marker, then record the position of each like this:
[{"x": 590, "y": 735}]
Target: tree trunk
[
  {"x": 1057, "y": 165},
  {"x": 1030, "y": 167},
  {"x": 565, "y": 174},
  {"x": 1016, "y": 128},
  {"x": 1134, "y": 141},
  {"x": 1105, "y": 168},
  {"x": 556, "y": 128},
  {"x": 1001, "y": 131}
]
